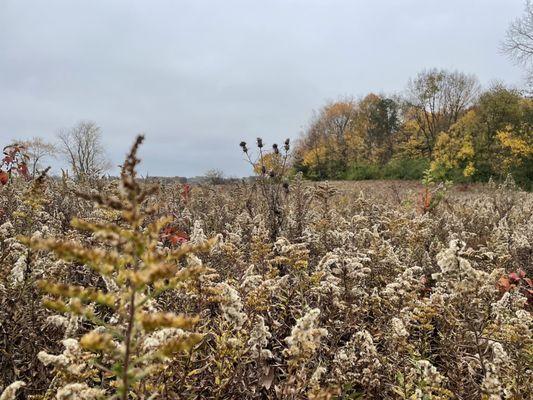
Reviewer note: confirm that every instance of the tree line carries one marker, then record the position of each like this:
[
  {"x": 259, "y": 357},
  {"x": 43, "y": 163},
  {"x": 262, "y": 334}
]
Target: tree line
[{"x": 443, "y": 121}]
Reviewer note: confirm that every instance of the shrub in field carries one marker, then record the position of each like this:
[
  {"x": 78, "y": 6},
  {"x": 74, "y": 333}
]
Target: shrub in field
[
  {"x": 400, "y": 168},
  {"x": 432, "y": 193},
  {"x": 362, "y": 171},
  {"x": 405, "y": 168},
  {"x": 14, "y": 162},
  {"x": 271, "y": 169}
]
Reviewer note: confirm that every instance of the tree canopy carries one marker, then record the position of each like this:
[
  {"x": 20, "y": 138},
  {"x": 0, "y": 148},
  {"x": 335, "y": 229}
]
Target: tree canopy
[{"x": 443, "y": 121}]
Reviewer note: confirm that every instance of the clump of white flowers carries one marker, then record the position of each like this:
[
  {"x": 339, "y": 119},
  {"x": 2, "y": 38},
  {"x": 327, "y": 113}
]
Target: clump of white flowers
[
  {"x": 305, "y": 336},
  {"x": 314, "y": 381},
  {"x": 404, "y": 287},
  {"x": 79, "y": 391},
  {"x": 10, "y": 392},
  {"x": 6, "y": 230},
  {"x": 71, "y": 360},
  {"x": 429, "y": 380},
  {"x": 197, "y": 235},
  {"x": 358, "y": 361},
  {"x": 259, "y": 337},
  {"x": 492, "y": 384},
  {"x": 17, "y": 273},
  {"x": 231, "y": 305},
  {"x": 398, "y": 328},
  {"x": 155, "y": 340}
]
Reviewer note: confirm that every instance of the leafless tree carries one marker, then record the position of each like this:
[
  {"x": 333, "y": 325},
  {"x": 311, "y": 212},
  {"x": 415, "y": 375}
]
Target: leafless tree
[
  {"x": 38, "y": 150},
  {"x": 518, "y": 43},
  {"x": 83, "y": 149},
  {"x": 438, "y": 99},
  {"x": 214, "y": 176}
]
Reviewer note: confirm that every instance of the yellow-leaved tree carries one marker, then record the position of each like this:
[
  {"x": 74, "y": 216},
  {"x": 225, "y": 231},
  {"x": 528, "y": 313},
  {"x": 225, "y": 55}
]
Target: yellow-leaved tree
[
  {"x": 454, "y": 149},
  {"x": 516, "y": 147},
  {"x": 492, "y": 139}
]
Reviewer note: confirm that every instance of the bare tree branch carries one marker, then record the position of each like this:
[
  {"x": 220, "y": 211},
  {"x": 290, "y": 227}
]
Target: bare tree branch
[{"x": 83, "y": 149}]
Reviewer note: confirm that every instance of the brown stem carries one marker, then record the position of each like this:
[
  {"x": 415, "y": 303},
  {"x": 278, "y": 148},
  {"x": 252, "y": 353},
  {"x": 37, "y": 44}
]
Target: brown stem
[{"x": 125, "y": 382}]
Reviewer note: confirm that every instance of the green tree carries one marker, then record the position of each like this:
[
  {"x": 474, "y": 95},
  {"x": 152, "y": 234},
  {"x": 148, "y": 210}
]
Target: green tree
[
  {"x": 492, "y": 139},
  {"x": 381, "y": 117}
]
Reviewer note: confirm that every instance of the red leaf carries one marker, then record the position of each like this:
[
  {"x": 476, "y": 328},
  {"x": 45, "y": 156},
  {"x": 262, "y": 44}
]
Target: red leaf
[
  {"x": 4, "y": 177},
  {"x": 179, "y": 237},
  {"x": 23, "y": 170},
  {"x": 186, "y": 192},
  {"x": 504, "y": 283}
]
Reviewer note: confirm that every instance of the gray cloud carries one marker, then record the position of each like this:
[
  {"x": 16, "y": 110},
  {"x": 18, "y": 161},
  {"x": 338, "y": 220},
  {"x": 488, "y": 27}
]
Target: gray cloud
[{"x": 199, "y": 76}]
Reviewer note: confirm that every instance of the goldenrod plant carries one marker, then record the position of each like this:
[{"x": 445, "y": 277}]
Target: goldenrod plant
[{"x": 128, "y": 337}]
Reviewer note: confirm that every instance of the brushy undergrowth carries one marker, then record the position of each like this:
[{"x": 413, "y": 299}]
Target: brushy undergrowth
[{"x": 124, "y": 290}]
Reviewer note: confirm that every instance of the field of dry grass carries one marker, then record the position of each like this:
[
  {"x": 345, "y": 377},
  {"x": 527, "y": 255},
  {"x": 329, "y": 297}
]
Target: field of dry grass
[{"x": 341, "y": 290}]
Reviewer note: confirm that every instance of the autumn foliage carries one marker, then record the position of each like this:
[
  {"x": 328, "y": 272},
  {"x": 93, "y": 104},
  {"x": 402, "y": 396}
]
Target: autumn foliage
[
  {"x": 14, "y": 162},
  {"x": 443, "y": 121}
]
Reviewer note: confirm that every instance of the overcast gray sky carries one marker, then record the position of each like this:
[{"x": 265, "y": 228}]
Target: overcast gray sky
[{"x": 199, "y": 76}]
